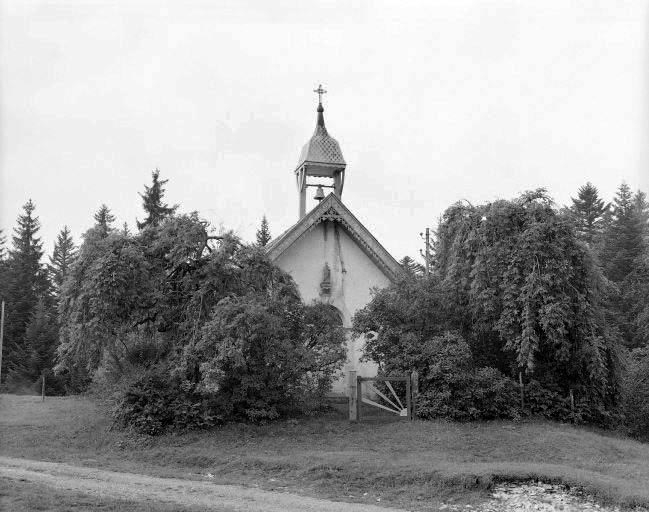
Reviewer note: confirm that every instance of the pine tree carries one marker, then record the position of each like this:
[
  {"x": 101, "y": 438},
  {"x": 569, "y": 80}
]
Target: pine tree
[
  {"x": 623, "y": 239},
  {"x": 62, "y": 257},
  {"x": 263, "y": 233},
  {"x": 27, "y": 283},
  {"x": 41, "y": 338},
  {"x": 588, "y": 211},
  {"x": 411, "y": 267},
  {"x": 103, "y": 221},
  {"x": 125, "y": 230},
  {"x": 152, "y": 203}
]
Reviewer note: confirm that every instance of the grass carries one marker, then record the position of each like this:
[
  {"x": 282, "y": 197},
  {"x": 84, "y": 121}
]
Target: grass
[
  {"x": 417, "y": 465},
  {"x": 20, "y": 496}
]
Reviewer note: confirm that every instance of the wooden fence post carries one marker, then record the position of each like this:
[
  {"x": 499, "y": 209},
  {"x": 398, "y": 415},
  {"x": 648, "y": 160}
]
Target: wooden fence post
[
  {"x": 415, "y": 392},
  {"x": 359, "y": 397},
  {"x": 43, "y": 388},
  {"x": 520, "y": 383},
  {"x": 572, "y": 405},
  {"x": 408, "y": 397},
  {"x": 352, "y": 385}
]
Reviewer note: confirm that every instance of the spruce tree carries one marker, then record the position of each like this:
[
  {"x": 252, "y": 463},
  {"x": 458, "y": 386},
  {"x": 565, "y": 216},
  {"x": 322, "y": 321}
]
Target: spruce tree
[
  {"x": 103, "y": 221},
  {"x": 624, "y": 236},
  {"x": 152, "y": 203},
  {"x": 263, "y": 233},
  {"x": 27, "y": 282},
  {"x": 588, "y": 212},
  {"x": 411, "y": 267},
  {"x": 62, "y": 257},
  {"x": 41, "y": 338}
]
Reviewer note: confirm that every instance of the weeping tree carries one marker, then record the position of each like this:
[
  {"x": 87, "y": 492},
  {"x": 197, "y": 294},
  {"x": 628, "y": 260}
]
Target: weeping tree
[{"x": 514, "y": 281}]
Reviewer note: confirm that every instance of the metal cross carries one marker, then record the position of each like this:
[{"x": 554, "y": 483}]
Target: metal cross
[{"x": 320, "y": 92}]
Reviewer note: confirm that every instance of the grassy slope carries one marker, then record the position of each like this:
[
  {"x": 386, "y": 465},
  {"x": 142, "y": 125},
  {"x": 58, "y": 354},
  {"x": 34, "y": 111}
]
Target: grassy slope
[
  {"x": 417, "y": 465},
  {"x": 27, "y": 497}
]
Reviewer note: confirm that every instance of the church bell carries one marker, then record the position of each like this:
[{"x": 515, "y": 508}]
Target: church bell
[{"x": 319, "y": 194}]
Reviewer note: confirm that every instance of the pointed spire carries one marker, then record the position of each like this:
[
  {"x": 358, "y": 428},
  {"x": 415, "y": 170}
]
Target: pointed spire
[{"x": 320, "y": 124}]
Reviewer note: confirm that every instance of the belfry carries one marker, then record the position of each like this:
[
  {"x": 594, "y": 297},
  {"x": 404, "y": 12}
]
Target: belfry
[{"x": 331, "y": 256}]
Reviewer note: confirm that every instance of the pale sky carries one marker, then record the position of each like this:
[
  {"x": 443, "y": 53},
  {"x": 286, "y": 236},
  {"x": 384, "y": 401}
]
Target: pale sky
[{"x": 431, "y": 102}]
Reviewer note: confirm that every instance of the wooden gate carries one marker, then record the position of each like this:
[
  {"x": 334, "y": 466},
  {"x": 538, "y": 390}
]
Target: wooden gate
[{"x": 389, "y": 401}]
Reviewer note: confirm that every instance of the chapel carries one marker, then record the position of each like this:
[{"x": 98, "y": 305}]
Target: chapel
[{"x": 330, "y": 254}]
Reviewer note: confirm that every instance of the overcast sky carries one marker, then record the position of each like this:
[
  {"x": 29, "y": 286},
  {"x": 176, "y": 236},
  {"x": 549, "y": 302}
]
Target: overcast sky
[{"x": 431, "y": 102}]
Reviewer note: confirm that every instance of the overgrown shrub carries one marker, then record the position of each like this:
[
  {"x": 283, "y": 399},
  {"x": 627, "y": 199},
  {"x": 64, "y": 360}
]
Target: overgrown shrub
[
  {"x": 158, "y": 402},
  {"x": 636, "y": 393}
]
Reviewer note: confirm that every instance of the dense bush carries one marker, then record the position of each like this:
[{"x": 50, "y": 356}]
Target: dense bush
[
  {"x": 157, "y": 402},
  {"x": 227, "y": 326},
  {"x": 527, "y": 297},
  {"x": 636, "y": 393}
]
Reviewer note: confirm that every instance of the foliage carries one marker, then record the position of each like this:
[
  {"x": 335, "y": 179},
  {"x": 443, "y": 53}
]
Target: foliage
[
  {"x": 588, "y": 212},
  {"x": 62, "y": 257},
  {"x": 158, "y": 402},
  {"x": 636, "y": 393},
  {"x": 103, "y": 221},
  {"x": 263, "y": 233},
  {"x": 266, "y": 356},
  {"x": 411, "y": 267},
  {"x": 514, "y": 281},
  {"x": 152, "y": 203},
  {"x": 25, "y": 283}
]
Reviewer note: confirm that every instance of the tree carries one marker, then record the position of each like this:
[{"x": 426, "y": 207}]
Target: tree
[
  {"x": 103, "y": 221},
  {"x": 27, "y": 282},
  {"x": 588, "y": 211},
  {"x": 263, "y": 233},
  {"x": 62, "y": 257},
  {"x": 624, "y": 236},
  {"x": 512, "y": 279},
  {"x": 411, "y": 267},
  {"x": 152, "y": 203}
]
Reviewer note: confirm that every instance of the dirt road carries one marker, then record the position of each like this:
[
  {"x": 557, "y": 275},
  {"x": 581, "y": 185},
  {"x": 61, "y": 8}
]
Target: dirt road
[{"x": 201, "y": 494}]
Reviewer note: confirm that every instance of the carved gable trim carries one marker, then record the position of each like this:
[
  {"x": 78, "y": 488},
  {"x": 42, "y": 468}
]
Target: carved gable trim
[{"x": 333, "y": 210}]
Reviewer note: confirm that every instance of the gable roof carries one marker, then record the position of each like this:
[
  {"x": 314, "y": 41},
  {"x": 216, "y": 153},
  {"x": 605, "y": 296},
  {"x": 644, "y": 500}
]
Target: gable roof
[{"x": 332, "y": 209}]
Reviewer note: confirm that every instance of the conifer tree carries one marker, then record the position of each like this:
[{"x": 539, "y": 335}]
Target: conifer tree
[
  {"x": 103, "y": 221},
  {"x": 62, "y": 257},
  {"x": 125, "y": 230},
  {"x": 26, "y": 283},
  {"x": 623, "y": 239},
  {"x": 152, "y": 203},
  {"x": 263, "y": 233},
  {"x": 411, "y": 267},
  {"x": 588, "y": 211},
  {"x": 41, "y": 337}
]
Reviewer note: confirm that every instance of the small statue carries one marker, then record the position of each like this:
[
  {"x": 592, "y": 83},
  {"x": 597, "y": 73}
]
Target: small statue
[{"x": 325, "y": 284}]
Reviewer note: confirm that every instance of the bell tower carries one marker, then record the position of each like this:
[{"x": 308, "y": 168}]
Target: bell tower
[{"x": 321, "y": 157}]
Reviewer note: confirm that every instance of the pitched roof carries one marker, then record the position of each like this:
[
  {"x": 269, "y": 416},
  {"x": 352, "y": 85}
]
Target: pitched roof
[{"x": 331, "y": 208}]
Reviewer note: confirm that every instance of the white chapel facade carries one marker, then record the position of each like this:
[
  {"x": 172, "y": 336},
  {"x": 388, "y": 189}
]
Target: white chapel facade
[{"x": 331, "y": 256}]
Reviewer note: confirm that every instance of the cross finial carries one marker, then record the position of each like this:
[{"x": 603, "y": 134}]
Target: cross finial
[{"x": 320, "y": 91}]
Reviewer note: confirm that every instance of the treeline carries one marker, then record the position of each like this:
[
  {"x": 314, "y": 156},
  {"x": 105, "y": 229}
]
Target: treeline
[
  {"x": 524, "y": 294},
  {"x": 32, "y": 291}
]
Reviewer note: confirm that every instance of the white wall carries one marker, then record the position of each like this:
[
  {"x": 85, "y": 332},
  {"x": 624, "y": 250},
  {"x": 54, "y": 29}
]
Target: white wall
[{"x": 353, "y": 274}]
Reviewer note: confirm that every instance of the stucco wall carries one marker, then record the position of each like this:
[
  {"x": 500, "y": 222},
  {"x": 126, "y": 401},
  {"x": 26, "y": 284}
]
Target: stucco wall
[{"x": 353, "y": 274}]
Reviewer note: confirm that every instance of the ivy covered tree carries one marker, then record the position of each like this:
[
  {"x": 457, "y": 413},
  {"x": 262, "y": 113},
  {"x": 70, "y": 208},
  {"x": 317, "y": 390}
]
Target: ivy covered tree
[
  {"x": 589, "y": 211},
  {"x": 263, "y": 233},
  {"x": 152, "y": 202},
  {"x": 62, "y": 257}
]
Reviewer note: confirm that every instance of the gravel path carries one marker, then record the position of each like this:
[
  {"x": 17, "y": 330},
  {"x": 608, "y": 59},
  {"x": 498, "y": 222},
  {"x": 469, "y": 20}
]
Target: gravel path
[{"x": 206, "y": 495}]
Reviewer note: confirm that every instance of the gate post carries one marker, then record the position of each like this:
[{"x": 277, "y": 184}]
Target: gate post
[
  {"x": 415, "y": 392},
  {"x": 352, "y": 385}
]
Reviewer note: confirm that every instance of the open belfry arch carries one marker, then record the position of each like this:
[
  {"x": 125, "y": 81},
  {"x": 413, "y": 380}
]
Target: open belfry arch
[{"x": 330, "y": 254}]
